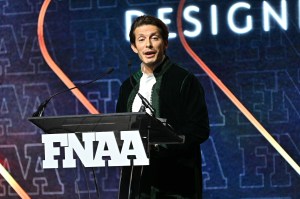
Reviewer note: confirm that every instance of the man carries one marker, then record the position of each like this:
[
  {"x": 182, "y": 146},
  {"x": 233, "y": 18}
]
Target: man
[{"x": 175, "y": 94}]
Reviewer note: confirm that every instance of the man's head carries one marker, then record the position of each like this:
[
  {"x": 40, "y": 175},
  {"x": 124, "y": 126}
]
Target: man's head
[
  {"x": 149, "y": 39},
  {"x": 149, "y": 20}
]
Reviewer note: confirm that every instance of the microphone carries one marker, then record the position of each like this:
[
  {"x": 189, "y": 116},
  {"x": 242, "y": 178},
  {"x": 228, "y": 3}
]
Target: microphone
[
  {"x": 145, "y": 102},
  {"x": 40, "y": 110}
]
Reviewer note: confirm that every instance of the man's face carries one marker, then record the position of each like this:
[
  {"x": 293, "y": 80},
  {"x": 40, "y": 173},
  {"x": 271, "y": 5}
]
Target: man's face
[{"x": 149, "y": 45}]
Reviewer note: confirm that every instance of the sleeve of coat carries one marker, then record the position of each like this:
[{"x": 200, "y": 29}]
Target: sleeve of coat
[
  {"x": 121, "y": 103},
  {"x": 195, "y": 116}
]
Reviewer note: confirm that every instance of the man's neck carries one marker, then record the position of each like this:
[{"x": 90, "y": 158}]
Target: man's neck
[{"x": 150, "y": 69}]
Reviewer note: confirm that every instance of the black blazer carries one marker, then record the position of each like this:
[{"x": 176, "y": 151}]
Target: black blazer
[{"x": 177, "y": 96}]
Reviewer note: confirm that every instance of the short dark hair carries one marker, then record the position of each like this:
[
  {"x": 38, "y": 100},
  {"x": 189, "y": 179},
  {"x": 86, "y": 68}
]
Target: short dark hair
[{"x": 149, "y": 20}]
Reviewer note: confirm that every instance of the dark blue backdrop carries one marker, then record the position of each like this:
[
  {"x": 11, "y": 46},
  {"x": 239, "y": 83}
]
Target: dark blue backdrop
[{"x": 87, "y": 37}]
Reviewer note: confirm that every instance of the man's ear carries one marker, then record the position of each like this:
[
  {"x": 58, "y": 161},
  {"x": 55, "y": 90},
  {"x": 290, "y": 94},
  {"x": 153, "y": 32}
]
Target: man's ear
[{"x": 134, "y": 48}]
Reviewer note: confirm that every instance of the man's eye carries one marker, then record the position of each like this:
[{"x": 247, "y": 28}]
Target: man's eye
[{"x": 141, "y": 39}]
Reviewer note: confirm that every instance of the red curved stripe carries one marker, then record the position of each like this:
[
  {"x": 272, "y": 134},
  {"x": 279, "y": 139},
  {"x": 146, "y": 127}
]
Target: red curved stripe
[
  {"x": 229, "y": 94},
  {"x": 56, "y": 69}
]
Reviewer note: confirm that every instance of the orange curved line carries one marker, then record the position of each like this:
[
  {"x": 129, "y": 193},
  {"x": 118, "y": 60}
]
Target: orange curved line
[
  {"x": 13, "y": 183},
  {"x": 56, "y": 69},
  {"x": 229, "y": 94}
]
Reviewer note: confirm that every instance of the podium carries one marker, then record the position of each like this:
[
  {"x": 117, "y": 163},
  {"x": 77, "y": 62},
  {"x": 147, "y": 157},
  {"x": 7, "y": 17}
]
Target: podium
[{"x": 152, "y": 131}]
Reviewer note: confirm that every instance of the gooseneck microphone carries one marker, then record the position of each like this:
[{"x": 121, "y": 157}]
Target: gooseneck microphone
[
  {"x": 40, "y": 110},
  {"x": 145, "y": 102}
]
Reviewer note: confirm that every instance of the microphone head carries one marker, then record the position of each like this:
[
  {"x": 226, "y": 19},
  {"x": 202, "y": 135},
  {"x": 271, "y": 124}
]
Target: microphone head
[{"x": 109, "y": 70}]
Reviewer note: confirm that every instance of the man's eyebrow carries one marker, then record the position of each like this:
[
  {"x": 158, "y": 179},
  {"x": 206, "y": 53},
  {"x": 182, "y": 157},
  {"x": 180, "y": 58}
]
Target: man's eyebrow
[
  {"x": 151, "y": 34},
  {"x": 155, "y": 33}
]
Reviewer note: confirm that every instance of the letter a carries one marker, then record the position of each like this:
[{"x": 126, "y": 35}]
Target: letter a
[{"x": 138, "y": 150}]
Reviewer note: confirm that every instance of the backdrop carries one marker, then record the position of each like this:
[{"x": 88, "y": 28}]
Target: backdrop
[{"x": 252, "y": 46}]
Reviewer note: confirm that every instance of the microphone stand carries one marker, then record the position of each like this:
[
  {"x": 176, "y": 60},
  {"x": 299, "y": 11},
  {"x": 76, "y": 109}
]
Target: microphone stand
[{"x": 40, "y": 110}]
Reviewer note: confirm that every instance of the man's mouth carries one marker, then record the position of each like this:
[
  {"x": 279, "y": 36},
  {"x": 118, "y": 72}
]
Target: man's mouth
[{"x": 150, "y": 53}]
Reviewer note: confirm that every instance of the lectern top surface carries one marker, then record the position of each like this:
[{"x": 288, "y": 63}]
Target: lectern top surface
[
  {"x": 148, "y": 126},
  {"x": 89, "y": 123}
]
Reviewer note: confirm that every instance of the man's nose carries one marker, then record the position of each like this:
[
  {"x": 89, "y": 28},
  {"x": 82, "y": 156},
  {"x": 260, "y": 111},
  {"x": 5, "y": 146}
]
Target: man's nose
[{"x": 148, "y": 43}]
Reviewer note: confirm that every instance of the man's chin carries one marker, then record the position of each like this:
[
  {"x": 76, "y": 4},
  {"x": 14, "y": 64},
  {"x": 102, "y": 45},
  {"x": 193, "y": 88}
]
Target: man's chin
[{"x": 149, "y": 63}]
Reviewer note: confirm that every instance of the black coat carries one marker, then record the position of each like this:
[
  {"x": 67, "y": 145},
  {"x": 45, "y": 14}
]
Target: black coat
[{"x": 177, "y": 96}]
